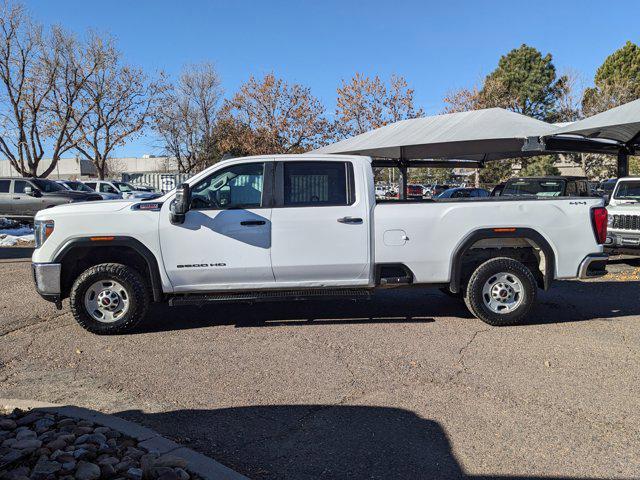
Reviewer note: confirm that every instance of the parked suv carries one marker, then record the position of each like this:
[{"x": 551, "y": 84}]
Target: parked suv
[
  {"x": 22, "y": 198},
  {"x": 123, "y": 189},
  {"x": 552, "y": 186}
]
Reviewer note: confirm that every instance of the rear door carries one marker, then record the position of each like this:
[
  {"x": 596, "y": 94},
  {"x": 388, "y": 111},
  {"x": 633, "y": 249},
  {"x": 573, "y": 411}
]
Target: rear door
[{"x": 320, "y": 225}]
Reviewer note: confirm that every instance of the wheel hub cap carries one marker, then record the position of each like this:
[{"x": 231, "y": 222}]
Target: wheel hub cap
[
  {"x": 503, "y": 293},
  {"x": 107, "y": 301}
]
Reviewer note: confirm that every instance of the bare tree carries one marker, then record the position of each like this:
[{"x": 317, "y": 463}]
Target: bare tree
[
  {"x": 42, "y": 77},
  {"x": 366, "y": 103},
  {"x": 119, "y": 102},
  {"x": 186, "y": 117},
  {"x": 271, "y": 116}
]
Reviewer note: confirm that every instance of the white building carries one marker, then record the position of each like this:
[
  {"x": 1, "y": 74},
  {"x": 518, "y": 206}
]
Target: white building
[{"x": 73, "y": 168}]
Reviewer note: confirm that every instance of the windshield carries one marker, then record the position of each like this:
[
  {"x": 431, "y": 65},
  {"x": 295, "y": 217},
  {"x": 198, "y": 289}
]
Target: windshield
[
  {"x": 628, "y": 191},
  {"x": 539, "y": 188},
  {"x": 79, "y": 187},
  {"x": 48, "y": 186},
  {"x": 124, "y": 187}
]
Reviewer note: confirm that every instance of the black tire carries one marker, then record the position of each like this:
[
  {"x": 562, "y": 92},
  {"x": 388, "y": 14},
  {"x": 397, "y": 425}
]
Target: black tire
[
  {"x": 134, "y": 285},
  {"x": 474, "y": 295}
]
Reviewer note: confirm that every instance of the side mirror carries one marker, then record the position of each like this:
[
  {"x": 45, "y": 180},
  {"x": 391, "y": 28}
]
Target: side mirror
[
  {"x": 607, "y": 198},
  {"x": 180, "y": 205},
  {"x": 28, "y": 190}
]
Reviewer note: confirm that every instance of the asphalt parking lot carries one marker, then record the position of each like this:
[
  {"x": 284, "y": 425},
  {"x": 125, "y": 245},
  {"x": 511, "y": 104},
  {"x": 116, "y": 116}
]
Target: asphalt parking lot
[{"x": 407, "y": 385}]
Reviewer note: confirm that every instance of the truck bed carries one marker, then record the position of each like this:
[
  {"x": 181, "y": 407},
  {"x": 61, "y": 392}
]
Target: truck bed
[{"x": 425, "y": 234}]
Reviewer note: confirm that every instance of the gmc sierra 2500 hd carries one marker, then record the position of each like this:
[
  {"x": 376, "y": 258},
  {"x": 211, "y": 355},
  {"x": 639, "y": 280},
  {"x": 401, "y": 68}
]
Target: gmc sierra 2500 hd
[{"x": 301, "y": 226}]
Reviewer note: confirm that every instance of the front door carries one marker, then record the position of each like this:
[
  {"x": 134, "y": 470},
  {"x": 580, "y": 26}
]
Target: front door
[
  {"x": 321, "y": 226},
  {"x": 6, "y": 198},
  {"x": 225, "y": 240},
  {"x": 25, "y": 204}
]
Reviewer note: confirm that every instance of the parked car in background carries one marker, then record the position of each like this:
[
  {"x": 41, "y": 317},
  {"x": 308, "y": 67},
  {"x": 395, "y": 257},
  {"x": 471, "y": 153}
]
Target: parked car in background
[
  {"x": 552, "y": 186},
  {"x": 22, "y": 198},
  {"x": 461, "y": 192},
  {"x": 78, "y": 186},
  {"x": 497, "y": 190},
  {"x": 124, "y": 189},
  {"x": 414, "y": 191},
  {"x": 624, "y": 215},
  {"x": 435, "y": 190},
  {"x": 605, "y": 187},
  {"x": 381, "y": 191}
]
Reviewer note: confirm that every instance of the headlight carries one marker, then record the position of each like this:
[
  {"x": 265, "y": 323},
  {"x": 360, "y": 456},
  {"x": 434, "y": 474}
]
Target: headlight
[
  {"x": 610, "y": 221},
  {"x": 42, "y": 230}
]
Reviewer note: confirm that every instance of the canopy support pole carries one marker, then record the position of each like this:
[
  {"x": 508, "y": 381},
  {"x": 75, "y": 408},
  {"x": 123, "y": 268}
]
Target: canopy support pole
[
  {"x": 402, "y": 181},
  {"x": 623, "y": 163}
]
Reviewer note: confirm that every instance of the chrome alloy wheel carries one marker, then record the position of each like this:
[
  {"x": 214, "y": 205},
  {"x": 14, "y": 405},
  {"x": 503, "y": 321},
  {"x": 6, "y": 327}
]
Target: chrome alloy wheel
[
  {"x": 502, "y": 293},
  {"x": 106, "y": 301}
]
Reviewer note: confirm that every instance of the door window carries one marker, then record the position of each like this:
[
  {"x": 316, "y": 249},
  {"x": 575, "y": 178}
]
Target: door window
[
  {"x": 317, "y": 184},
  {"x": 4, "y": 186},
  {"x": 237, "y": 186},
  {"x": 91, "y": 185},
  {"x": 106, "y": 188},
  {"x": 18, "y": 186}
]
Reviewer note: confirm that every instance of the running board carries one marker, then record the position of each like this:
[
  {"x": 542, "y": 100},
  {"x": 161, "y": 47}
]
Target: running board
[
  {"x": 386, "y": 281},
  {"x": 270, "y": 296}
]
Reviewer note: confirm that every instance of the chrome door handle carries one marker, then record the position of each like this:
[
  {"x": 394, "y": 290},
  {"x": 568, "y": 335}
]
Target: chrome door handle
[
  {"x": 350, "y": 220},
  {"x": 251, "y": 223}
]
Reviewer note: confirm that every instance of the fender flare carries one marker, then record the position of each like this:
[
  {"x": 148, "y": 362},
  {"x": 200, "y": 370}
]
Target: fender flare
[
  {"x": 488, "y": 233},
  {"x": 118, "y": 241}
]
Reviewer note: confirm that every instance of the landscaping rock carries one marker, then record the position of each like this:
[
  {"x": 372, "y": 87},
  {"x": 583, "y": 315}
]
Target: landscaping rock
[
  {"x": 42, "y": 446},
  {"x": 87, "y": 471},
  {"x": 44, "y": 469},
  {"x": 27, "y": 443}
]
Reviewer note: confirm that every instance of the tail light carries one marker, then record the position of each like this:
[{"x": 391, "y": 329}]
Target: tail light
[{"x": 599, "y": 222}]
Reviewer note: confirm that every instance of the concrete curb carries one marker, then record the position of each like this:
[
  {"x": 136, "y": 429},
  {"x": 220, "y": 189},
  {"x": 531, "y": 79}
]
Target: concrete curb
[{"x": 151, "y": 440}]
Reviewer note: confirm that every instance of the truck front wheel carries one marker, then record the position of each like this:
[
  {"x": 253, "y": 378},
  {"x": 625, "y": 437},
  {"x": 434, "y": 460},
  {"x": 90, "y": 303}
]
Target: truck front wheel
[
  {"x": 501, "y": 292},
  {"x": 109, "y": 298}
]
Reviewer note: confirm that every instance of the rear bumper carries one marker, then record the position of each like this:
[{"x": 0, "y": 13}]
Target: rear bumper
[
  {"x": 593, "y": 265},
  {"x": 46, "y": 277}
]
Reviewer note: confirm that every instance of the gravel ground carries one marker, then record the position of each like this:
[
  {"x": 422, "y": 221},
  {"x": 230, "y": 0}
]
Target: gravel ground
[{"x": 407, "y": 385}]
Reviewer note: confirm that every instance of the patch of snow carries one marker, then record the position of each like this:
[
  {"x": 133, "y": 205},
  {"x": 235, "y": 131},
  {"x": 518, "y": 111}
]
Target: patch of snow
[{"x": 11, "y": 240}]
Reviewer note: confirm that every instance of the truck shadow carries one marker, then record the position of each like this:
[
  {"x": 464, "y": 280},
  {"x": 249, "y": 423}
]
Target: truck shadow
[
  {"x": 316, "y": 441},
  {"x": 567, "y": 301}
]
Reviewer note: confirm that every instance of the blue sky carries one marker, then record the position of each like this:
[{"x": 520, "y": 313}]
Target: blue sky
[{"x": 437, "y": 45}]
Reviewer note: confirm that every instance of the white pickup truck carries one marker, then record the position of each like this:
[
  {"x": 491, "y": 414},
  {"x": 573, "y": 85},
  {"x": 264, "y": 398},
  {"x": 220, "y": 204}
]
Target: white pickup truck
[
  {"x": 624, "y": 216},
  {"x": 307, "y": 226}
]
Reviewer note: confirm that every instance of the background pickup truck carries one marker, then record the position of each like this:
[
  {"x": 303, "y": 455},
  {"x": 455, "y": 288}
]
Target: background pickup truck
[
  {"x": 303, "y": 226},
  {"x": 624, "y": 216}
]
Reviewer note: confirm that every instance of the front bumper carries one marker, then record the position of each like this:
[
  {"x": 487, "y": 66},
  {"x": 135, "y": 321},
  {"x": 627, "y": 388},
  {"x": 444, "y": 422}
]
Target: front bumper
[
  {"x": 593, "y": 265},
  {"x": 47, "y": 279},
  {"x": 624, "y": 239}
]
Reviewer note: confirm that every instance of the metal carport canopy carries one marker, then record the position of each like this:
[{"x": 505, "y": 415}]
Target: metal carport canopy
[
  {"x": 479, "y": 135},
  {"x": 620, "y": 124}
]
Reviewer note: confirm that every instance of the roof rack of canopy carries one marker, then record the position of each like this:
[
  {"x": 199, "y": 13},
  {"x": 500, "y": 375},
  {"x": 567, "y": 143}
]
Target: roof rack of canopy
[{"x": 469, "y": 139}]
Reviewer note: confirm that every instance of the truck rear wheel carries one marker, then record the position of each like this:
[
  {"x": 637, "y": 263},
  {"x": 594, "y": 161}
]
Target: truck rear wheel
[
  {"x": 501, "y": 292},
  {"x": 109, "y": 298}
]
